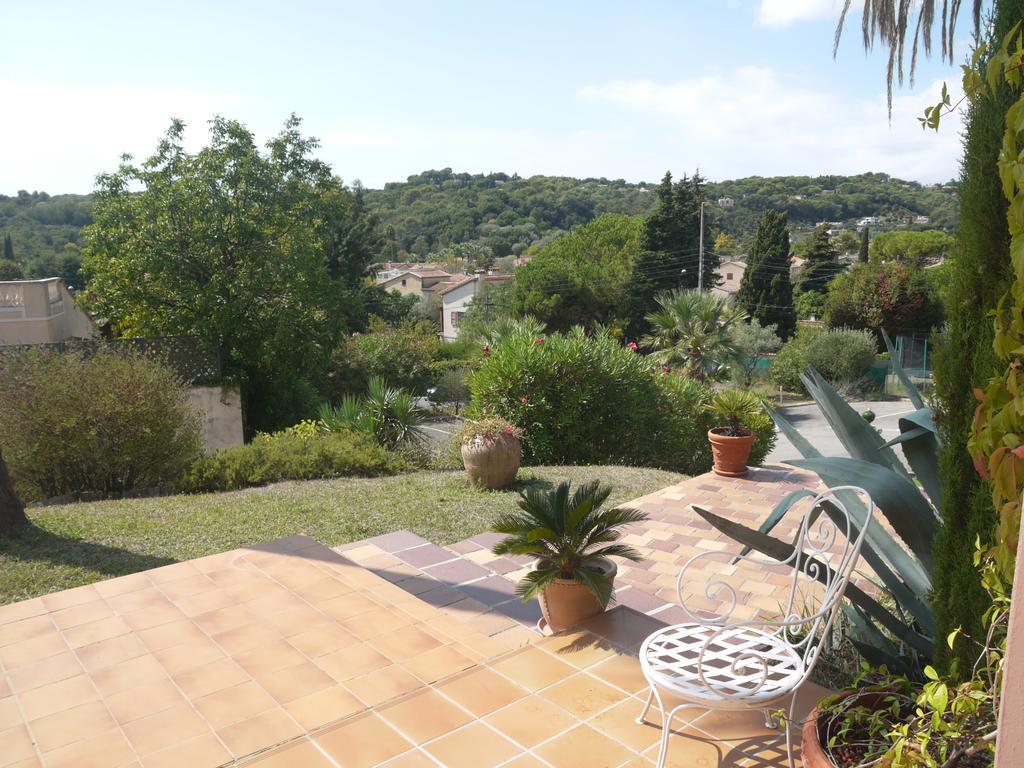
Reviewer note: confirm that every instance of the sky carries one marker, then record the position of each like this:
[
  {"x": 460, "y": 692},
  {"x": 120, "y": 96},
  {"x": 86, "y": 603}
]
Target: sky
[{"x": 559, "y": 87}]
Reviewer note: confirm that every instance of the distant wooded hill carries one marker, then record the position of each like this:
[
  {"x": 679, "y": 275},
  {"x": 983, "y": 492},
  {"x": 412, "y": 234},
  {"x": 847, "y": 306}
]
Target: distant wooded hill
[{"x": 436, "y": 209}]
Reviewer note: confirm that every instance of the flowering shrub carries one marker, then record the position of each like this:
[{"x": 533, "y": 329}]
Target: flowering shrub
[
  {"x": 590, "y": 400},
  {"x": 402, "y": 355},
  {"x": 487, "y": 431}
]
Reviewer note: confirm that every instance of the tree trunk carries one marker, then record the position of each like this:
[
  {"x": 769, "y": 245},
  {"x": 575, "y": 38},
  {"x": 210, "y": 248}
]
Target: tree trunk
[{"x": 12, "y": 511}]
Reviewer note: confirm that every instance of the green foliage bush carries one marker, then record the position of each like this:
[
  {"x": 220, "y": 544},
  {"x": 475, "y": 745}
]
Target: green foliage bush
[
  {"x": 292, "y": 454},
  {"x": 102, "y": 424},
  {"x": 400, "y": 354},
  {"x": 842, "y": 356},
  {"x": 588, "y": 400},
  {"x": 791, "y": 360}
]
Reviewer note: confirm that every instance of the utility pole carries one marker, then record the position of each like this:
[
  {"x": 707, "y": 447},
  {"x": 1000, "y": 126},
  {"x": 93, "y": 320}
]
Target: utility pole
[{"x": 700, "y": 260}]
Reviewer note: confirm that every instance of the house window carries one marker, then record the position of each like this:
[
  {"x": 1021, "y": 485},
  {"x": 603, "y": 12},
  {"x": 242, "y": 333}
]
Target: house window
[
  {"x": 455, "y": 319},
  {"x": 403, "y": 282},
  {"x": 728, "y": 275}
]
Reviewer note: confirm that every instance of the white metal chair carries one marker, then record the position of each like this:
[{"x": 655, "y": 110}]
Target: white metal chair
[{"x": 712, "y": 663}]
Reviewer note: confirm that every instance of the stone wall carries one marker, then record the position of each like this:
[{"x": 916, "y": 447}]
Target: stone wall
[{"x": 221, "y": 410}]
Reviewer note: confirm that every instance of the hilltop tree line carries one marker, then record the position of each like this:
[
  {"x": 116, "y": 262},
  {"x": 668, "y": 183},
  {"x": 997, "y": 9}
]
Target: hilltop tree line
[{"x": 501, "y": 215}]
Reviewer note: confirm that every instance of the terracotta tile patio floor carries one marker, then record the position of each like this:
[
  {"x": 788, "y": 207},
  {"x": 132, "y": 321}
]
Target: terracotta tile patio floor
[{"x": 396, "y": 653}]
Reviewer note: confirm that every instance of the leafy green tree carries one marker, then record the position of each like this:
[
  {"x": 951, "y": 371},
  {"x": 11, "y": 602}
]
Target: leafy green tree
[
  {"x": 726, "y": 244},
  {"x": 864, "y": 250},
  {"x": 766, "y": 293},
  {"x": 581, "y": 278},
  {"x": 895, "y": 296},
  {"x": 693, "y": 331},
  {"x": 846, "y": 242},
  {"x": 821, "y": 263},
  {"x": 236, "y": 247},
  {"x": 754, "y": 343},
  {"x": 922, "y": 248},
  {"x": 10, "y": 270},
  {"x": 491, "y": 305},
  {"x": 810, "y": 305}
]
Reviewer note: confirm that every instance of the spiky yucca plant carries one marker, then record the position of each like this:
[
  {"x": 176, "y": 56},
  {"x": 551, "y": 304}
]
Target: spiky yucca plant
[{"x": 566, "y": 532}]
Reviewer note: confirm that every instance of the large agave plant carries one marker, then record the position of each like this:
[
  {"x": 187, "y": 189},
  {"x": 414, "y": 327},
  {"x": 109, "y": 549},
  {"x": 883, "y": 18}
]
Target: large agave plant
[{"x": 897, "y": 632}]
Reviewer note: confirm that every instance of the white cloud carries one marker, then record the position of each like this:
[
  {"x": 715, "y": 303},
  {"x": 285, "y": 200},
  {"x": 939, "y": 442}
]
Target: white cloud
[
  {"x": 753, "y": 121},
  {"x": 782, "y": 13},
  {"x": 66, "y": 134}
]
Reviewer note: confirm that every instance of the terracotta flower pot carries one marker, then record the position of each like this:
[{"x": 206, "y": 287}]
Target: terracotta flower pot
[
  {"x": 492, "y": 464},
  {"x": 812, "y": 754},
  {"x": 565, "y": 603},
  {"x": 730, "y": 453}
]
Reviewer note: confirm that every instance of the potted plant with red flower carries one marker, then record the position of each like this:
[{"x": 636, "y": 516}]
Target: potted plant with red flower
[{"x": 491, "y": 452}]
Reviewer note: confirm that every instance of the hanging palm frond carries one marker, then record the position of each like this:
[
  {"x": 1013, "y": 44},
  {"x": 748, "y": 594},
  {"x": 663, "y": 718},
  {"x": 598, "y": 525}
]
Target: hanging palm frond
[{"x": 888, "y": 22}]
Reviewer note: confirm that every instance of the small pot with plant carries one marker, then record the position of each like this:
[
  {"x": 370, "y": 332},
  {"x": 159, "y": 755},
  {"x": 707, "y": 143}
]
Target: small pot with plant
[
  {"x": 732, "y": 443},
  {"x": 491, "y": 452},
  {"x": 573, "y": 539}
]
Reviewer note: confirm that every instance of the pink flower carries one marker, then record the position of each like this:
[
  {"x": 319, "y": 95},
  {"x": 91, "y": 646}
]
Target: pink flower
[
  {"x": 524, "y": 399},
  {"x": 659, "y": 409},
  {"x": 665, "y": 369},
  {"x": 487, "y": 350},
  {"x": 538, "y": 340},
  {"x": 507, "y": 430},
  {"x": 632, "y": 345}
]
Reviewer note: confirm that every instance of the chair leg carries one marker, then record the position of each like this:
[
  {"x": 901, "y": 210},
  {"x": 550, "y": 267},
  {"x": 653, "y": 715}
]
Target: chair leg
[
  {"x": 650, "y": 697},
  {"x": 789, "y": 732}
]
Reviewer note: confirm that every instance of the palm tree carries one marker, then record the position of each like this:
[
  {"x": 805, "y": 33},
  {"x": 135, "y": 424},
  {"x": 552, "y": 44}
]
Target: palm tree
[
  {"x": 692, "y": 330},
  {"x": 889, "y": 22}
]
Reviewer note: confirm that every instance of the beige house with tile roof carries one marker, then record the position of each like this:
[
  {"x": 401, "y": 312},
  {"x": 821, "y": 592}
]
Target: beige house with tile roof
[
  {"x": 415, "y": 282},
  {"x": 41, "y": 312}
]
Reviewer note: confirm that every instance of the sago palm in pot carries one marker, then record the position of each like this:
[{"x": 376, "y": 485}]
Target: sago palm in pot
[{"x": 572, "y": 538}]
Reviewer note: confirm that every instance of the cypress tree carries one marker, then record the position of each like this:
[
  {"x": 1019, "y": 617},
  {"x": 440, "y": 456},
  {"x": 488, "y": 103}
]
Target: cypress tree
[
  {"x": 8, "y": 248},
  {"x": 669, "y": 257},
  {"x": 765, "y": 289},
  {"x": 862, "y": 254},
  {"x": 981, "y": 273},
  {"x": 821, "y": 264}
]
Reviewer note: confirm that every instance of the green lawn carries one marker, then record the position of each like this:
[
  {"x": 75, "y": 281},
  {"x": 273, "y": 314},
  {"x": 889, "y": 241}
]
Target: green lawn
[{"x": 80, "y": 543}]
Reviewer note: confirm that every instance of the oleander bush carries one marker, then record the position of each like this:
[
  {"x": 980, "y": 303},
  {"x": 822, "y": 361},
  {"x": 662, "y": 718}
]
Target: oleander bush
[
  {"x": 586, "y": 399},
  {"x": 842, "y": 356},
  {"x": 303, "y": 452},
  {"x": 402, "y": 355},
  {"x": 104, "y": 424}
]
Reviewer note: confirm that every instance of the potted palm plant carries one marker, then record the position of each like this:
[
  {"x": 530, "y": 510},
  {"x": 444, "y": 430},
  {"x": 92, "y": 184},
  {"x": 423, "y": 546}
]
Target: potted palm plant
[
  {"x": 731, "y": 443},
  {"x": 491, "y": 452},
  {"x": 572, "y": 538}
]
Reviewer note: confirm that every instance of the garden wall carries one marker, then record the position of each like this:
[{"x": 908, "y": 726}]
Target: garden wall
[{"x": 221, "y": 410}]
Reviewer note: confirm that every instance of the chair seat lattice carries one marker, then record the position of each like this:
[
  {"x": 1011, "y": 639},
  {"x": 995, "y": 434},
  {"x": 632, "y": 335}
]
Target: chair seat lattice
[{"x": 741, "y": 665}]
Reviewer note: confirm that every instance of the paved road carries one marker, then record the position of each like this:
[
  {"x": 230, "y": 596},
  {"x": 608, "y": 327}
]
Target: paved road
[
  {"x": 438, "y": 430},
  {"x": 812, "y": 425}
]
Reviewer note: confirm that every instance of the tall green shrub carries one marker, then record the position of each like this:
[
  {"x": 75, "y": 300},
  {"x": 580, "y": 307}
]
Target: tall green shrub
[
  {"x": 101, "y": 424},
  {"x": 588, "y": 400},
  {"x": 980, "y": 274},
  {"x": 402, "y": 355}
]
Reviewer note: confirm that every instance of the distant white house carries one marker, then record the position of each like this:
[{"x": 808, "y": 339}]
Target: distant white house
[
  {"x": 869, "y": 220},
  {"x": 922, "y": 219},
  {"x": 726, "y": 202},
  {"x": 456, "y": 296},
  {"x": 731, "y": 273}
]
